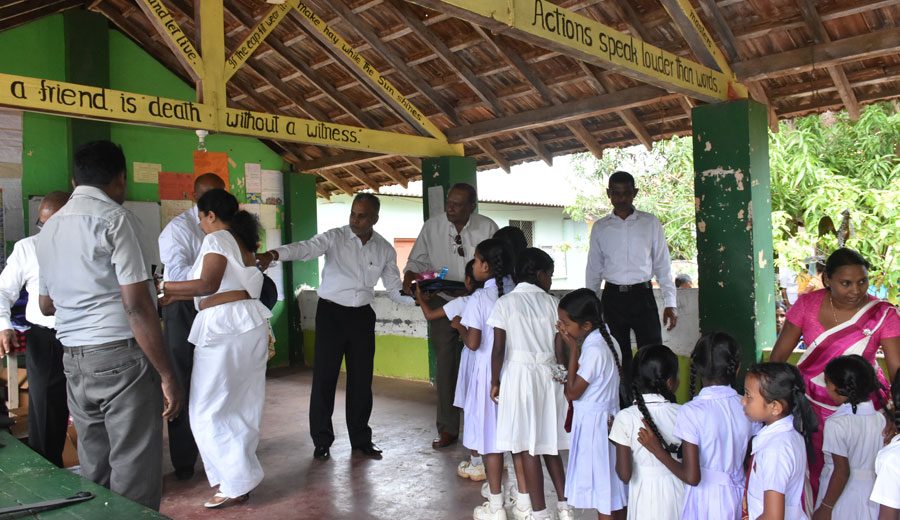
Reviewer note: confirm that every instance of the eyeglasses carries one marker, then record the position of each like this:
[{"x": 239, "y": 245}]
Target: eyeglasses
[
  {"x": 459, "y": 248},
  {"x": 39, "y": 223}
]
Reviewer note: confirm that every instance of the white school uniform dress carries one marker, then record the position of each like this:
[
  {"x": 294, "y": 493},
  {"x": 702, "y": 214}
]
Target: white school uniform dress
[
  {"x": 654, "y": 493},
  {"x": 452, "y": 309},
  {"x": 531, "y": 412},
  {"x": 778, "y": 464},
  {"x": 887, "y": 484},
  {"x": 714, "y": 421},
  {"x": 858, "y": 438},
  {"x": 591, "y": 480},
  {"x": 228, "y": 381},
  {"x": 480, "y": 426}
]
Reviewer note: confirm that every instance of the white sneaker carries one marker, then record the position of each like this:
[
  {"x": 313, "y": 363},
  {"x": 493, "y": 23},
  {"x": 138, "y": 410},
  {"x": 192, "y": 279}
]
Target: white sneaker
[
  {"x": 484, "y": 512},
  {"x": 509, "y": 494},
  {"x": 471, "y": 471},
  {"x": 566, "y": 514},
  {"x": 521, "y": 514}
]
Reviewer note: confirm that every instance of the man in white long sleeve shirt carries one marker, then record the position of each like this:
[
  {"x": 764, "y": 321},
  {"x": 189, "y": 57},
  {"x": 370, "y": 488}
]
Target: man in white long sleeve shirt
[
  {"x": 179, "y": 244},
  {"x": 356, "y": 257},
  {"x": 627, "y": 249},
  {"x": 48, "y": 413}
]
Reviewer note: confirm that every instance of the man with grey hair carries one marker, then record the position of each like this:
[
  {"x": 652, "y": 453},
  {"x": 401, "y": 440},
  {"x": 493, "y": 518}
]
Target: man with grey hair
[
  {"x": 356, "y": 257},
  {"x": 48, "y": 414}
]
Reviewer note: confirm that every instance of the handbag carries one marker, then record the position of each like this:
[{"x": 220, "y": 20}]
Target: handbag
[{"x": 268, "y": 295}]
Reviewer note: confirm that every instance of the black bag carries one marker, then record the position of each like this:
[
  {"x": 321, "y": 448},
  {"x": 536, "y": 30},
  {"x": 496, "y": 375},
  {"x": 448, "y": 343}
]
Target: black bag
[{"x": 269, "y": 293}]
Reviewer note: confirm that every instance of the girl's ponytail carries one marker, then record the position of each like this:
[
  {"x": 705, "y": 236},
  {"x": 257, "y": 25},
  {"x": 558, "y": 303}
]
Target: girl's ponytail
[
  {"x": 652, "y": 368},
  {"x": 805, "y": 420}
]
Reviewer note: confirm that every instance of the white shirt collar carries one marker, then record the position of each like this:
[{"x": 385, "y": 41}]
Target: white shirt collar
[
  {"x": 782, "y": 425},
  {"x": 654, "y": 398},
  {"x": 864, "y": 408},
  {"x": 716, "y": 392},
  {"x": 94, "y": 192}
]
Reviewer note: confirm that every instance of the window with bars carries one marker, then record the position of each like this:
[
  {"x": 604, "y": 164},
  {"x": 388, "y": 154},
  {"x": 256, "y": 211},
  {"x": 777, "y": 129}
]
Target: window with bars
[{"x": 527, "y": 227}]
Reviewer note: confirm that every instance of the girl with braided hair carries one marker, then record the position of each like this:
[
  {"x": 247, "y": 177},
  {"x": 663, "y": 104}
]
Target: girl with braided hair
[
  {"x": 492, "y": 266},
  {"x": 653, "y": 491},
  {"x": 531, "y": 405},
  {"x": 851, "y": 440},
  {"x": 778, "y": 481},
  {"x": 714, "y": 434},
  {"x": 595, "y": 370},
  {"x": 886, "y": 492}
]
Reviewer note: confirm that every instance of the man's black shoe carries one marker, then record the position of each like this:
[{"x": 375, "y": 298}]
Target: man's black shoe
[
  {"x": 184, "y": 473},
  {"x": 369, "y": 450},
  {"x": 321, "y": 453}
]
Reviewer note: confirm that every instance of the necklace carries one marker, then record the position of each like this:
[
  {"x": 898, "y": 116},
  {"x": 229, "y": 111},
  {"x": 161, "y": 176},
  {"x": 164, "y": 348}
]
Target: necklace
[{"x": 834, "y": 314}]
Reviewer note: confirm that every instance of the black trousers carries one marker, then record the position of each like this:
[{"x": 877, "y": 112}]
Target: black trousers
[
  {"x": 48, "y": 411},
  {"x": 634, "y": 310},
  {"x": 178, "y": 318},
  {"x": 342, "y": 332}
]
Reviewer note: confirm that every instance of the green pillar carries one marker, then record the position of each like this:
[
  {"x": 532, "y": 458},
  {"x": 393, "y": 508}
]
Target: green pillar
[
  {"x": 300, "y": 224},
  {"x": 443, "y": 172},
  {"x": 87, "y": 63},
  {"x": 734, "y": 224}
]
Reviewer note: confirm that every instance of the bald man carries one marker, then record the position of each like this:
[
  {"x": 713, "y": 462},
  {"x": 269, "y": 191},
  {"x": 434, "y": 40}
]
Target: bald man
[
  {"x": 48, "y": 413},
  {"x": 179, "y": 244}
]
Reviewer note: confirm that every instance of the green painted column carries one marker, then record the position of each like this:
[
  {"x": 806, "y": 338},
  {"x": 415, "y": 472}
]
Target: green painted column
[
  {"x": 87, "y": 63},
  {"x": 443, "y": 172},
  {"x": 300, "y": 223},
  {"x": 734, "y": 225}
]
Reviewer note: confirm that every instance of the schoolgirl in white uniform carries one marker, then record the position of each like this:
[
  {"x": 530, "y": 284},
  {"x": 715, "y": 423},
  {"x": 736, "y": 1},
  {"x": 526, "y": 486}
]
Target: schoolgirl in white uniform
[
  {"x": 492, "y": 265},
  {"x": 851, "y": 440},
  {"x": 593, "y": 386},
  {"x": 714, "y": 434},
  {"x": 472, "y": 468},
  {"x": 886, "y": 492},
  {"x": 532, "y": 407},
  {"x": 653, "y": 491},
  {"x": 774, "y": 395}
]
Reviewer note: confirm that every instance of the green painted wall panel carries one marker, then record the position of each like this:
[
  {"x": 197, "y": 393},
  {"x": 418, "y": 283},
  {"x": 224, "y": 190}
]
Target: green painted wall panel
[{"x": 399, "y": 357}]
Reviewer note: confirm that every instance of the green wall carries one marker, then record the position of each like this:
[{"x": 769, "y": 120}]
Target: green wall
[{"x": 48, "y": 140}]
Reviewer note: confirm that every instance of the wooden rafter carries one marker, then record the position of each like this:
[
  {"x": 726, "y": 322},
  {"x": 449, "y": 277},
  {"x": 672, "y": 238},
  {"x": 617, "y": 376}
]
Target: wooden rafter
[
  {"x": 854, "y": 48},
  {"x": 603, "y": 86},
  {"x": 817, "y": 28},
  {"x": 362, "y": 177}
]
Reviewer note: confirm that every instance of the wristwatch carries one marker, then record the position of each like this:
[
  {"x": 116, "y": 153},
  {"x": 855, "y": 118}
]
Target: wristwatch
[{"x": 274, "y": 255}]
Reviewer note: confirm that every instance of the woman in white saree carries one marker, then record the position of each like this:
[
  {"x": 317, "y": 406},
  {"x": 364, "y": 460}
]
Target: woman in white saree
[{"x": 231, "y": 335}]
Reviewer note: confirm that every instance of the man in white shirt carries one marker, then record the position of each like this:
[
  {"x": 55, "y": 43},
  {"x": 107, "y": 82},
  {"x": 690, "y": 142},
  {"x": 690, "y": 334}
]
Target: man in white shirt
[
  {"x": 48, "y": 414},
  {"x": 179, "y": 244},
  {"x": 355, "y": 258},
  {"x": 627, "y": 249},
  {"x": 448, "y": 240}
]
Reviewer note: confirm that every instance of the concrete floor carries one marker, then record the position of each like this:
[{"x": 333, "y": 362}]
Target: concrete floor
[{"x": 411, "y": 481}]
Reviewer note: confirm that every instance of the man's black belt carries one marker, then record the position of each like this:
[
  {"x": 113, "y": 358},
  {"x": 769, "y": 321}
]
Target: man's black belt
[{"x": 627, "y": 288}]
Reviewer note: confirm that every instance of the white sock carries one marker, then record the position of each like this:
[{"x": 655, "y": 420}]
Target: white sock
[
  {"x": 523, "y": 501},
  {"x": 476, "y": 460},
  {"x": 544, "y": 514},
  {"x": 496, "y": 501},
  {"x": 562, "y": 505}
]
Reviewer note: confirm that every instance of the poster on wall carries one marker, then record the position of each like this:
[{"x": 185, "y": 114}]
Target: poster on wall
[
  {"x": 272, "y": 187},
  {"x": 14, "y": 223},
  {"x": 147, "y": 173},
  {"x": 176, "y": 186},
  {"x": 170, "y": 209},
  {"x": 212, "y": 162}
]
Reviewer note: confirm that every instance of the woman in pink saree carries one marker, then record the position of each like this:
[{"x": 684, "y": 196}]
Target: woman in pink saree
[{"x": 839, "y": 320}]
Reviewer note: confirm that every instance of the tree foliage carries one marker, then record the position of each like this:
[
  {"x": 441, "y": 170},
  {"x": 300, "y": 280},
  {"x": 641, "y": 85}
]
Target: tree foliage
[{"x": 820, "y": 166}]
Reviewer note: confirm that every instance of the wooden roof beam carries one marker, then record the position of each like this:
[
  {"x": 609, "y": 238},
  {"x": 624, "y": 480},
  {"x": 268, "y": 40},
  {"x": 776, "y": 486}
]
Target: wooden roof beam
[
  {"x": 701, "y": 43},
  {"x": 371, "y": 38},
  {"x": 362, "y": 177},
  {"x": 337, "y": 182},
  {"x": 563, "y": 113},
  {"x": 389, "y": 170},
  {"x": 338, "y": 161},
  {"x": 720, "y": 25},
  {"x": 495, "y": 156},
  {"x": 337, "y": 97},
  {"x": 817, "y": 28},
  {"x": 603, "y": 86},
  {"x": 855, "y": 48}
]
